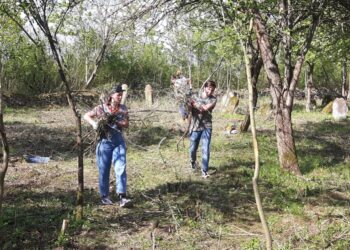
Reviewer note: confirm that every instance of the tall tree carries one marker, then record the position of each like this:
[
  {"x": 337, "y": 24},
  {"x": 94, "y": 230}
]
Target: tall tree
[
  {"x": 5, "y": 146},
  {"x": 292, "y": 17}
]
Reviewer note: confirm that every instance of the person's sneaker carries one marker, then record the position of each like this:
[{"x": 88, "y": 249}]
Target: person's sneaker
[
  {"x": 193, "y": 165},
  {"x": 106, "y": 201},
  {"x": 124, "y": 202},
  {"x": 205, "y": 175}
]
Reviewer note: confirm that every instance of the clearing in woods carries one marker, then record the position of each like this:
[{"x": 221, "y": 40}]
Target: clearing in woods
[{"x": 175, "y": 208}]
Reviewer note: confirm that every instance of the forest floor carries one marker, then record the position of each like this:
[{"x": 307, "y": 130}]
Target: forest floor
[{"x": 174, "y": 208}]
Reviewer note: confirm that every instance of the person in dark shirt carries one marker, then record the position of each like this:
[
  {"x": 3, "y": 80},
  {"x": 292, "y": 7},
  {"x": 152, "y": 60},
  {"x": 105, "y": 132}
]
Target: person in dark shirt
[{"x": 201, "y": 125}]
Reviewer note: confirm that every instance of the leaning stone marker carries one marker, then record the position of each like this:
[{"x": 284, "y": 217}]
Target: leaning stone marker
[
  {"x": 148, "y": 95},
  {"x": 328, "y": 108},
  {"x": 340, "y": 109},
  {"x": 226, "y": 98}
]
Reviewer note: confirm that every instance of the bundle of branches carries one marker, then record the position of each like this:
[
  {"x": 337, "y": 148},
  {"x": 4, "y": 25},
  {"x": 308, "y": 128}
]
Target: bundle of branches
[{"x": 106, "y": 124}]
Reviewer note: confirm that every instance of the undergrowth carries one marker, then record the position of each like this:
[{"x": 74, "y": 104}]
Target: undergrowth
[{"x": 174, "y": 208}]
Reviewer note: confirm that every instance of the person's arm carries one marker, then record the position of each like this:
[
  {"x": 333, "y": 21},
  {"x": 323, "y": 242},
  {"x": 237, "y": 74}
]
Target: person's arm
[
  {"x": 189, "y": 82},
  {"x": 203, "y": 107},
  {"x": 89, "y": 117},
  {"x": 209, "y": 106},
  {"x": 124, "y": 123}
]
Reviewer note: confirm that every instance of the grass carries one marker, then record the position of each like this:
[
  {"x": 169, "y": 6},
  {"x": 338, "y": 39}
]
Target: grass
[{"x": 190, "y": 212}]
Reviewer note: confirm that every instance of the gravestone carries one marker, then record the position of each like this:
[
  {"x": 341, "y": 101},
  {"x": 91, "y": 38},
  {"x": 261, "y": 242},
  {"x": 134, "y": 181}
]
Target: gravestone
[
  {"x": 226, "y": 98},
  {"x": 125, "y": 93},
  {"x": 148, "y": 95},
  {"x": 340, "y": 109},
  {"x": 233, "y": 104},
  {"x": 230, "y": 102}
]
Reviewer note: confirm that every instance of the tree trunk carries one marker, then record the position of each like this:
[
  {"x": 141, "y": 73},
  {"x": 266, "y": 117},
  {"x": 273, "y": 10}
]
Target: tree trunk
[
  {"x": 348, "y": 97},
  {"x": 285, "y": 140},
  {"x": 255, "y": 68},
  {"x": 71, "y": 101},
  {"x": 344, "y": 87},
  {"x": 282, "y": 90},
  {"x": 5, "y": 147},
  {"x": 284, "y": 132},
  {"x": 309, "y": 84},
  {"x": 80, "y": 192}
]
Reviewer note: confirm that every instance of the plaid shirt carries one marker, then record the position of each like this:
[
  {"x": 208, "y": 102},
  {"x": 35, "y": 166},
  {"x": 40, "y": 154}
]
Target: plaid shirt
[{"x": 101, "y": 110}]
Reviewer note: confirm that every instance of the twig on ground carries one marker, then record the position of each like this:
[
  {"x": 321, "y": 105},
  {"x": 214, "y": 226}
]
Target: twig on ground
[
  {"x": 135, "y": 145},
  {"x": 246, "y": 232},
  {"x": 161, "y": 156},
  {"x": 152, "y": 110},
  {"x": 187, "y": 131},
  {"x": 176, "y": 223}
]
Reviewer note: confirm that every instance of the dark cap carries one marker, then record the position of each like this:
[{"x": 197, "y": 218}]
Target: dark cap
[{"x": 117, "y": 89}]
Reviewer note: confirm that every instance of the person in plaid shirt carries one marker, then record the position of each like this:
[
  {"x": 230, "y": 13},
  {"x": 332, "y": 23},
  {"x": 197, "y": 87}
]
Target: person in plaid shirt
[{"x": 109, "y": 119}]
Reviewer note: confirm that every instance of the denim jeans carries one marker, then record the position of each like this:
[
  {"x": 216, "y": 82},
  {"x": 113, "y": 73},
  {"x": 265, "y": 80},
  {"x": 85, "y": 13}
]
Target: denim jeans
[
  {"x": 111, "y": 151},
  {"x": 195, "y": 138}
]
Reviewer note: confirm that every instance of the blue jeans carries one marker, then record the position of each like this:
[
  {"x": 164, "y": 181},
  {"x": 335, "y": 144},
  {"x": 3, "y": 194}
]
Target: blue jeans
[
  {"x": 195, "y": 137},
  {"x": 111, "y": 151}
]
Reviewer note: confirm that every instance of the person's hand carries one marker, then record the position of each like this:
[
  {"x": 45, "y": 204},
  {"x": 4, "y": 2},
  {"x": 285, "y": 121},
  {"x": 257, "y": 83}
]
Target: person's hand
[{"x": 94, "y": 125}]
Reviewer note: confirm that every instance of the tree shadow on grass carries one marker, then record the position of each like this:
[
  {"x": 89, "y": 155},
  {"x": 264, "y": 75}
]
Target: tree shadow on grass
[
  {"x": 32, "y": 220},
  {"x": 325, "y": 144},
  {"x": 26, "y": 138},
  {"x": 31, "y": 139},
  {"x": 229, "y": 194}
]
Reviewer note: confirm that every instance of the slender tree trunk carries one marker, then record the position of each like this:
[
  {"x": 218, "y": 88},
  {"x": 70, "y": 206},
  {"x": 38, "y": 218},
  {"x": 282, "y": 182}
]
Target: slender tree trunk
[
  {"x": 348, "y": 97},
  {"x": 5, "y": 147},
  {"x": 77, "y": 115},
  {"x": 80, "y": 192},
  {"x": 309, "y": 84},
  {"x": 249, "y": 66},
  {"x": 255, "y": 68},
  {"x": 344, "y": 89}
]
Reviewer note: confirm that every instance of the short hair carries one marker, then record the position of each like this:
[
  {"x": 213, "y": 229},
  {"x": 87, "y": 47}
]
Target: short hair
[{"x": 210, "y": 83}]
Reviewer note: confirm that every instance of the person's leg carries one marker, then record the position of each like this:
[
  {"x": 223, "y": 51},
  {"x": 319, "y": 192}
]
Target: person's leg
[
  {"x": 104, "y": 157},
  {"x": 194, "y": 142},
  {"x": 206, "y": 138},
  {"x": 119, "y": 163},
  {"x": 183, "y": 111}
]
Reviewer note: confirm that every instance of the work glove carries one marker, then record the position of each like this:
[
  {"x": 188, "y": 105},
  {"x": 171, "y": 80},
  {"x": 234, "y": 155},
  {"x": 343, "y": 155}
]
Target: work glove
[{"x": 94, "y": 125}]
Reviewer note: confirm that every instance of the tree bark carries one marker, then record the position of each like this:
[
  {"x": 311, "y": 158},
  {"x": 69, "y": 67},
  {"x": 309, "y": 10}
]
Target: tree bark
[
  {"x": 344, "y": 89},
  {"x": 5, "y": 147},
  {"x": 309, "y": 84},
  {"x": 255, "y": 68},
  {"x": 284, "y": 132},
  {"x": 348, "y": 97}
]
